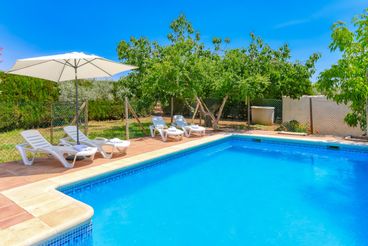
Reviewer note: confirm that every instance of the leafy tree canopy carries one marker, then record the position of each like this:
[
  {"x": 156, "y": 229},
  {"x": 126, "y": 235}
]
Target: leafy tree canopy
[
  {"x": 347, "y": 80},
  {"x": 186, "y": 69}
]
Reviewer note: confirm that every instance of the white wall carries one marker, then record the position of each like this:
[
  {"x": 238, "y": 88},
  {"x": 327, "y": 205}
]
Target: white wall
[{"x": 328, "y": 116}]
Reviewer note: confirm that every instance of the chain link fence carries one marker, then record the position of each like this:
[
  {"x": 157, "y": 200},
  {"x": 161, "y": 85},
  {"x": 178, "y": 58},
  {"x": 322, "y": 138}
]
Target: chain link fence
[
  {"x": 233, "y": 110},
  {"x": 48, "y": 118},
  {"x": 97, "y": 119}
]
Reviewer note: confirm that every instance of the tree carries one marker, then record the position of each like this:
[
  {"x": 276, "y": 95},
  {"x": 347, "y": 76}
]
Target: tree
[
  {"x": 173, "y": 75},
  {"x": 217, "y": 78},
  {"x": 1, "y": 50},
  {"x": 266, "y": 72},
  {"x": 347, "y": 80},
  {"x": 165, "y": 72},
  {"x": 142, "y": 53},
  {"x": 185, "y": 69},
  {"x": 88, "y": 90},
  {"x": 275, "y": 75}
]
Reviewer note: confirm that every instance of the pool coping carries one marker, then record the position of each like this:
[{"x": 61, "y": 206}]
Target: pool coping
[{"x": 55, "y": 212}]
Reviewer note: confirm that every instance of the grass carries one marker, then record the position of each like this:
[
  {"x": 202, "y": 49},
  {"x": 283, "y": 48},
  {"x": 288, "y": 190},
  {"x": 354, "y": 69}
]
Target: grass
[
  {"x": 107, "y": 129},
  {"x": 118, "y": 131}
]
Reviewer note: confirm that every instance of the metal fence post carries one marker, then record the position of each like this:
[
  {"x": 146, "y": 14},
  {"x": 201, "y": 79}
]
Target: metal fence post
[
  {"x": 86, "y": 118},
  {"x": 171, "y": 109},
  {"x": 311, "y": 115},
  {"x": 126, "y": 118},
  {"x": 51, "y": 123}
]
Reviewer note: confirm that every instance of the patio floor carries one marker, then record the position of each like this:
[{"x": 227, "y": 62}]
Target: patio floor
[{"x": 15, "y": 174}]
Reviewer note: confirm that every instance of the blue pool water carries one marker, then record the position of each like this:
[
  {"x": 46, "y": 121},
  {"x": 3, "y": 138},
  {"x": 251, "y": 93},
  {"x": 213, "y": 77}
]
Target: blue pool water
[{"x": 237, "y": 192}]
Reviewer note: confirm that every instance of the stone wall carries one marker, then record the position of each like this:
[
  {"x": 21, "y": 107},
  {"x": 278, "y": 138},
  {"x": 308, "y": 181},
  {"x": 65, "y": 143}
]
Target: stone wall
[{"x": 327, "y": 116}]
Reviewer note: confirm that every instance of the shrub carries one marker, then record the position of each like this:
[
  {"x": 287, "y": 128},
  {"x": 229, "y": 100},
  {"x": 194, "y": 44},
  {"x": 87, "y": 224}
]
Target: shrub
[
  {"x": 293, "y": 126},
  {"x": 105, "y": 110}
]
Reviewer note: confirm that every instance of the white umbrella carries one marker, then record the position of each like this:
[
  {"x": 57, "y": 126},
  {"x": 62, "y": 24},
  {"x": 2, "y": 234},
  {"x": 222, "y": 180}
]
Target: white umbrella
[{"x": 69, "y": 66}]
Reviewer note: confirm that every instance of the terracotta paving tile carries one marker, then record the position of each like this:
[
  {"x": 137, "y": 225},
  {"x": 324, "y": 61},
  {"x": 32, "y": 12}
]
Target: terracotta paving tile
[
  {"x": 4, "y": 172},
  {"x": 11, "y": 182},
  {"x": 15, "y": 219},
  {"x": 10, "y": 210},
  {"x": 47, "y": 167},
  {"x": 4, "y": 201}
]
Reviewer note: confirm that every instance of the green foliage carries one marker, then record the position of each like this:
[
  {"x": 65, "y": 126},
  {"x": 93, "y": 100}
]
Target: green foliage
[
  {"x": 141, "y": 53},
  {"x": 185, "y": 69},
  {"x": 274, "y": 74},
  {"x": 105, "y": 110},
  {"x": 87, "y": 90},
  {"x": 164, "y": 71},
  {"x": 22, "y": 89},
  {"x": 347, "y": 81},
  {"x": 293, "y": 126},
  {"x": 254, "y": 86},
  {"x": 25, "y": 101},
  {"x": 259, "y": 71},
  {"x": 175, "y": 73}
]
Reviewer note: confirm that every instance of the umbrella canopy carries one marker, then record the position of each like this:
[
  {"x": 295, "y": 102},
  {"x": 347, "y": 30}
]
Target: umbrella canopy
[
  {"x": 69, "y": 66},
  {"x": 65, "y": 67}
]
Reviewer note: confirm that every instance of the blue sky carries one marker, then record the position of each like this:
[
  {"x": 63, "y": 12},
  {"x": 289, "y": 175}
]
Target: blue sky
[{"x": 34, "y": 28}]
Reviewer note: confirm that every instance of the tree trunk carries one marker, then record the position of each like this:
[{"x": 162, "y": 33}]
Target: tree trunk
[
  {"x": 195, "y": 113},
  {"x": 172, "y": 110},
  {"x": 206, "y": 112},
  {"x": 219, "y": 114},
  {"x": 222, "y": 107}
]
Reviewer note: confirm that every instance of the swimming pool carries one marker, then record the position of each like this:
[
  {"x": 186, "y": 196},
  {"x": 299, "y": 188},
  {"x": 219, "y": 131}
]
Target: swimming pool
[{"x": 236, "y": 191}]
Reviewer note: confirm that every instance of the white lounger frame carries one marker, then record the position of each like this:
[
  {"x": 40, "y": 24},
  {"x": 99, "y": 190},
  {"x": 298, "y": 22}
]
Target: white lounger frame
[
  {"x": 98, "y": 142},
  {"x": 179, "y": 121},
  {"x": 160, "y": 126},
  {"x": 36, "y": 143}
]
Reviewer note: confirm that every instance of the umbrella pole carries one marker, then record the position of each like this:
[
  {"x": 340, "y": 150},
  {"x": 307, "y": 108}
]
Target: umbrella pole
[{"x": 76, "y": 104}]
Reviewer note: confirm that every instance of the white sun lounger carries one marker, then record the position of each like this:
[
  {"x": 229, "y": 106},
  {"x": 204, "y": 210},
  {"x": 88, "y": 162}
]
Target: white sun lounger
[
  {"x": 105, "y": 146},
  {"x": 36, "y": 143},
  {"x": 180, "y": 122},
  {"x": 160, "y": 126}
]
